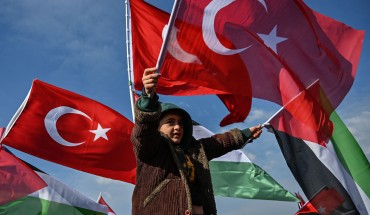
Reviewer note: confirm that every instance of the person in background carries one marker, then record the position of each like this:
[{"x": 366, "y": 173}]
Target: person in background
[{"x": 173, "y": 176}]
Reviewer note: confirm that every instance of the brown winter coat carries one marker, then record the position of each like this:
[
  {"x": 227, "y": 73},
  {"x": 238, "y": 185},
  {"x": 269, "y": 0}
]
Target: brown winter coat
[{"x": 161, "y": 187}]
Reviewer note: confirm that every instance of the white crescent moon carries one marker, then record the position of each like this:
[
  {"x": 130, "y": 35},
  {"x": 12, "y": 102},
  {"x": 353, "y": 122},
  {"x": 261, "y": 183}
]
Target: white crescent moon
[
  {"x": 208, "y": 28},
  {"x": 51, "y": 119},
  {"x": 263, "y": 3},
  {"x": 175, "y": 49}
]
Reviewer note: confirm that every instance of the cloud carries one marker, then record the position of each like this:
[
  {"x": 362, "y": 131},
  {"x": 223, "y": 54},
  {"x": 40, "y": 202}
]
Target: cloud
[
  {"x": 257, "y": 115},
  {"x": 250, "y": 155},
  {"x": 103, "y": 181},
  {"x": 359, "y": 127}
]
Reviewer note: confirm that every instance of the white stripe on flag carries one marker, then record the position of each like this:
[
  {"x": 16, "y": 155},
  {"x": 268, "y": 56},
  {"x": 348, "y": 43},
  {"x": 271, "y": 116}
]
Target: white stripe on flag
[
  {"x": 329, "y": 158},
  {"x": 234, "y": 156},
  {"x": 58, "y": 192},
  {"x": 201, "y": 132}
]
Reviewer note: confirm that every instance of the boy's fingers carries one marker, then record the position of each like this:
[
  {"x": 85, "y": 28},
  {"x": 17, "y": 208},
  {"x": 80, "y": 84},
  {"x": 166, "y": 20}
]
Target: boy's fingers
[{"x": 148, "y": 71}]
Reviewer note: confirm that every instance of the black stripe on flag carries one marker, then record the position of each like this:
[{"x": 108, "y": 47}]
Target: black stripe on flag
[{"x": 311, "y": 174}]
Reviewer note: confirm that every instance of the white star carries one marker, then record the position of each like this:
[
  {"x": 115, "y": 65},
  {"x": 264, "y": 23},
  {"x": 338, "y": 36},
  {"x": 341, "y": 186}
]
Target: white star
[
  {"x": 271, "y": 40},
  {"x": 100, "y": 132}
]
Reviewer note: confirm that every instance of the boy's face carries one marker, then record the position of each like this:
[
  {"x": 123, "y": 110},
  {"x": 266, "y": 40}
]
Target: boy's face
[{"x": 171, "y": 124}]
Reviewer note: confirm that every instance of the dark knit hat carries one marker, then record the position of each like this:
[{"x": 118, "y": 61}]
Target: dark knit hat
[{"x": 186, "y": 119}]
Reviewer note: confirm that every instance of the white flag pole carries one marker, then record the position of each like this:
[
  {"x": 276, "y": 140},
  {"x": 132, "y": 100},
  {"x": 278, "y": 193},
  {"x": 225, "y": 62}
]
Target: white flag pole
[
  {"x": 171, "y": 22},
  {"x": 267, "y": 123},
  {"x": 130, "y": 67},
  {"x": 282, "y": 108},
  {"x": 17, "y": 114},
  {"x": 99, "y": 197}
]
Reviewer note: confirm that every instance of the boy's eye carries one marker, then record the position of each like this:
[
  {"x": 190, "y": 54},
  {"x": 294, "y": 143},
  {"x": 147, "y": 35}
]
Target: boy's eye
[{"x": 173, "y": 122}]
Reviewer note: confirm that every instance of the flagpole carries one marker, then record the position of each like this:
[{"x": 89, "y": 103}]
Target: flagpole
[
  {"x": 130, "y": 68},
  {"x": 98, "y": 197},
  {"x": 162, "y": 53},
  {"x": 267, "y": 123},
  {"x": 283, "y": 107},
  {"x": 17, "y": 114}
]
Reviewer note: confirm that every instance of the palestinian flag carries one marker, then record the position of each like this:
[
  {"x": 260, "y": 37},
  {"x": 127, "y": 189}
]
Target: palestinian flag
[
  {"x": 339, "y": 165},
  {"x": 234, "y": 175},
  {"x": 56, "y": 199}
]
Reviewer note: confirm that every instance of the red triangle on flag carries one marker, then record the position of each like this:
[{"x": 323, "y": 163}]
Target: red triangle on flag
[
  {"x": 103, "y": 202},
  {"x": 16, "y": 179}
]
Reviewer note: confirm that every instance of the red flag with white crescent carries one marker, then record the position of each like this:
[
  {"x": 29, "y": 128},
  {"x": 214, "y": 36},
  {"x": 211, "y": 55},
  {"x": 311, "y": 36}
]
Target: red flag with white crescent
[
  {"x": 224, "y": 76},
  {"x": 273, "y": 40},
  {"x": 248, "y": 49},
  {"x": 72, "y": 130}
]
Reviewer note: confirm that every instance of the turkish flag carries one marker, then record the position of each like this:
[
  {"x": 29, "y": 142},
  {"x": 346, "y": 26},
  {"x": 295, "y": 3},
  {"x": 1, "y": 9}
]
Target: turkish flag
[
  {"x": 72, "y": 130},
  {"x": 275, "y": 39},
  {"x": 275, "y": 42},
  {"x": 215, "y": 74},
  {"x": 16, "y": 179}
]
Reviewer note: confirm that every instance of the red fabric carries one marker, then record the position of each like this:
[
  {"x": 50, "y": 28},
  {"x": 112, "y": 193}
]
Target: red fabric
[
  {"x": 147, "y": 23},
  {"x": 310, "y": 47},
  {"x": 16, "y": 179},
  {"x": 327, "y": 200},
  {"x": 306, "y": 116},
  {"x": 307, "y": 208},
  {"x": 212, "y": 73},
  {"x": 102, "y": 202},
  {"x": 323, "y": 203},
  {"x": 109, "y": 155}
]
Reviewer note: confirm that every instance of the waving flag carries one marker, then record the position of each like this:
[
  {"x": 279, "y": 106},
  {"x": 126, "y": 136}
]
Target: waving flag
[
  {"x": 214, "y": 42},
  {"x": 309, "y": 109},
  {"x": 234, "y": 175},
  {"x": 66, "y": 128},
  {"x": 277, "y": 40},
  {"x": 148, "y": 26},
  {"x": 16, "y": 179},
  {"x": 57, "y": 199},
  {"x": 340, "y": 165},
  {"x": 313, "y": 160},
  {"x": 102, "y": 202}
]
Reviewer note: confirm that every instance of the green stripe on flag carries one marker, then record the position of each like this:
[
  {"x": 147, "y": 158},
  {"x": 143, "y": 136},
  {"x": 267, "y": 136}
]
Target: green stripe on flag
[
  {"x": 350, "y": 154},
  {"x": 246, "y": 180},
  {"x": 34, "y": 206}
]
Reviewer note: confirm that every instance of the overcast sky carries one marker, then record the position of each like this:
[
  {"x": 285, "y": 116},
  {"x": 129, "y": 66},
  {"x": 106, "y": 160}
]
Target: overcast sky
[{"x": 80, "y": 45}]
